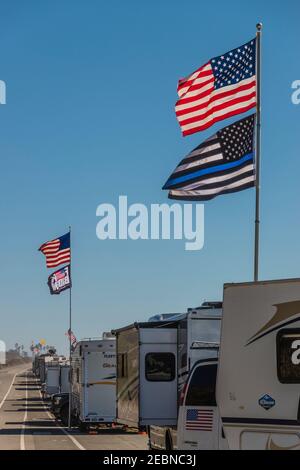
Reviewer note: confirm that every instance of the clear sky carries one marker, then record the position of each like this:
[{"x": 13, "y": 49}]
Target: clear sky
[{"x": 91, "y": 88}]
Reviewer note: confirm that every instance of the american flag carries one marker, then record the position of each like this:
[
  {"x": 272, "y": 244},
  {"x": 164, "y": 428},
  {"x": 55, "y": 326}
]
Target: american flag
[
  {"x": 57, "y": 251},
  {"x": 223, "y": 87},
  {"x": 199, "y": 420},
  {"x": 60, "y": 274},
  {"x": 222, "y": 164},
  {"x": 73, "y": 338}
]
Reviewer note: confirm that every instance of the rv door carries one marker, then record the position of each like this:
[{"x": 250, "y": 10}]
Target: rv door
[
  {"x": 158, "y": 377},
  {"x": 99, "y": 387}
]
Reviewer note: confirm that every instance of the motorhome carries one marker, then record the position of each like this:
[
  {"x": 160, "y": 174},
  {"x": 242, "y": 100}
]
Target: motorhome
[
  {"x": 93, "y": 381},
  {"x": 259, "y": 365},
  {"x": 166, "y": 374}
]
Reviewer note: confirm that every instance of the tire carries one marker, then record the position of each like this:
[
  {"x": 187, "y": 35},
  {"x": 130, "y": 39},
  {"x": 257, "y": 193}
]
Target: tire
[
  {"x": 169, "y": 444},
  {"x": 64, "y": 414},
  {"x": 83, "y": 427}
]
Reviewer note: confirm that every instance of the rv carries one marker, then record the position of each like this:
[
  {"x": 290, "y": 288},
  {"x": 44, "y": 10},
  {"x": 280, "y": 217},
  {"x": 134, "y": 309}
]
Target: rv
[
  {"x": 52, "y": 378},
  {"x": 57, "y": 376},
  {"x": 93, "y": 381},
  {"x": 64, "y": 378},
  {"x": 35, "y": 364},
  {"x": 43, "y": 362},
  {"x": 259, "y": 365},
  {"x": 166, "y": 374},
  {"x": 146, "y": 374}
]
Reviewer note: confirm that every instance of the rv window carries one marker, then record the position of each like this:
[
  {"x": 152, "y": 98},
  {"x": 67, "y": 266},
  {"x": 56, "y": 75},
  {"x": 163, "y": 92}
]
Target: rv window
[
  {"x": 288, "y": 356},
  {"x": 160, "y": 367},
  {"x": 202, "y": 386}
]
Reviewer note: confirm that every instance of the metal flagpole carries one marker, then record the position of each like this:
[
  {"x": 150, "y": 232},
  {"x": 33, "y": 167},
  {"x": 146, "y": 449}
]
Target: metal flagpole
[
  {"x": 70, "y": 343},
  {"x": 257, "y": 153}
]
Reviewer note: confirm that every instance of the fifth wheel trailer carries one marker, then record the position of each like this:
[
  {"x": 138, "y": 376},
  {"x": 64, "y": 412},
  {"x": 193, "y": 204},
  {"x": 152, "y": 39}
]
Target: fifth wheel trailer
[
  {"x": 94, "y": 381},
  {"x": 258, "y": 383}
]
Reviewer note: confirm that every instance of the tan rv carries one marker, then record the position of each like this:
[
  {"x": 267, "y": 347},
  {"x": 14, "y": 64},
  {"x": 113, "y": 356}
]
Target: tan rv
[{"x": 258, "y": 382}]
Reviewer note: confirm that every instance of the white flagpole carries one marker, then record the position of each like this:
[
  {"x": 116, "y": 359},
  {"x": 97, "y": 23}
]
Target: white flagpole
[
  {"x": 70, "y": 344},
  {"x": 257, "y": 146}
]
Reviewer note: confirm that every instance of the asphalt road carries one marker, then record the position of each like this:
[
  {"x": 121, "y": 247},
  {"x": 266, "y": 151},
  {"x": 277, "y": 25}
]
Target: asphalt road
[{"x": 26, "y": 424}]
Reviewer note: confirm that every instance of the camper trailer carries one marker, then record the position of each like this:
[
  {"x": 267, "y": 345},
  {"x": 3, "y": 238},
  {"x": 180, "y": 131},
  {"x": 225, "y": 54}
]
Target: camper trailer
[
  {"x": 43, "y": 362},
  {"x": 52, "y": 378},
  {"x": 57, "y": 376},
  {"x": 166, "y": 374},
  {"x": 64, "y": 371},
  {"x": 94, "y": 381},
  {"x": 259, "y": 365},
  {"x": 35, "y": 364},
  {"x": 146, "y": 374}
]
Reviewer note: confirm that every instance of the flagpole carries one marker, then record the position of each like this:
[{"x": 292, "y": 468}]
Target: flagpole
[
  {"x": 70, "y": 344},
  {"x": 257, "y": 153}
]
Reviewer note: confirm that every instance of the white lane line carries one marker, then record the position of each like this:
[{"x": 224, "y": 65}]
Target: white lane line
[
  {"x": 22, "y": 435},
  {"x": 10, "y": 387},
  {"x": 77, "y": 444}
]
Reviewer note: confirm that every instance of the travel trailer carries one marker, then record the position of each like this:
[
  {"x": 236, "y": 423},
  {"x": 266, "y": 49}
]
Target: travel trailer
[
  {"x": 64, "y": 378},
  {"x": 43, "y": 362},
  {"x": 94, "y": 381},
  {"x": 57, "y": 376},
  {"x": 166, "y": 374},
  {"x": 259, "y": 366},
  {"x": 52, "y": 378},
  {"x": 35, "y": 364},
  {"x": 146, "y": 374}
]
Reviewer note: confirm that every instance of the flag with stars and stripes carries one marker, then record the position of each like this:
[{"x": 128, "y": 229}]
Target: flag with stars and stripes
[
  {"x": 222, "y": 164},
  {"x": 72, "y": 338},
  {"x": 57, "y": 251},
  {"x": 223, "y": 87}
]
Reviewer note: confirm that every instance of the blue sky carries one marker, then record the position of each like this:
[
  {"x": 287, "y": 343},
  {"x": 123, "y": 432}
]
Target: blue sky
[{"x": 91, "y": 88}]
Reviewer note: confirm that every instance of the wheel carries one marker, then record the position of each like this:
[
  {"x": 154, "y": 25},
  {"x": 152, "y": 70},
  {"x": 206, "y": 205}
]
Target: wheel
[
  {"x": 64, "y": 414},
  {"x": 83, "y": 427},
  {"x": 169, "y": 444}
]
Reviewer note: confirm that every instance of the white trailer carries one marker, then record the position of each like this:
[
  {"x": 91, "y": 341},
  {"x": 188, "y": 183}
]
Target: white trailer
[
  {"x": 52, "y": 385},
  {"x": 146, "y": 374},
  {"x": 94, "y": 381},
  {"x": 166, "y": 375},
  {"x": 43, "y": 362},
  {"x": 259, "y": 367},
  {"x": 198, "y": 425},
  {"x": 64, "y": 385}
]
